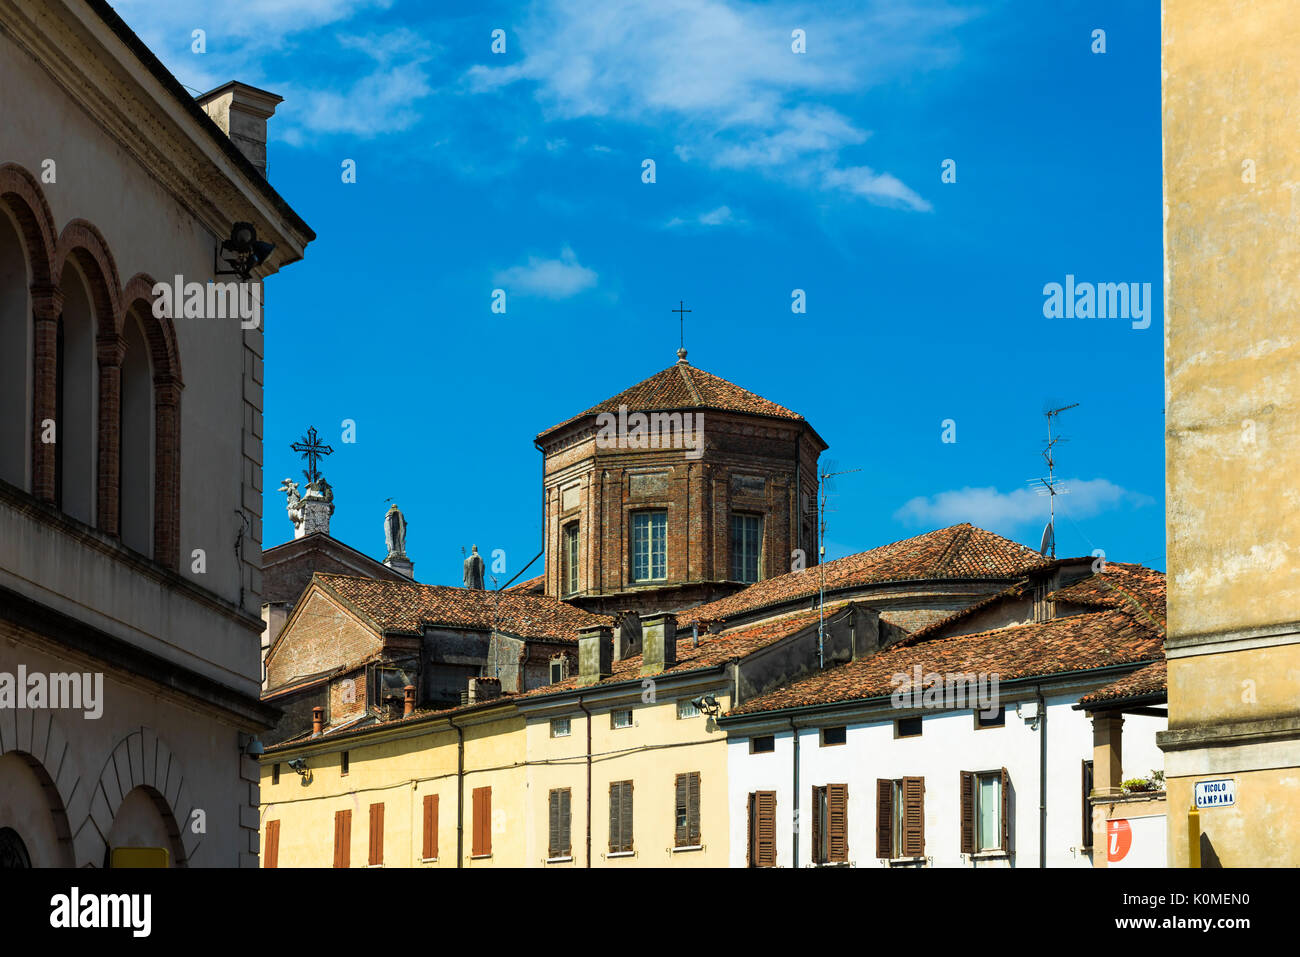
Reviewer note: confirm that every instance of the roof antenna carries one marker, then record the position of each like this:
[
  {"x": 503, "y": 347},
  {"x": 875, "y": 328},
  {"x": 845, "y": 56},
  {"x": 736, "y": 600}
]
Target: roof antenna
[
  {"x": 1049, "y": 485},
  {"x": 821, "y": 560}
]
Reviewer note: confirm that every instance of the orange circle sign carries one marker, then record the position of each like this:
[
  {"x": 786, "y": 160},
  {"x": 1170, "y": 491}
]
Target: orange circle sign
[{"x": 1119, "y": 838}]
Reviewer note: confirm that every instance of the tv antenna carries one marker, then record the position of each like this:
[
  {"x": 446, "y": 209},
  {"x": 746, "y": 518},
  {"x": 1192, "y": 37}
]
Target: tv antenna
[
  {"x": 1049, "y": 486},
  {"x": 821, "y": 558}
]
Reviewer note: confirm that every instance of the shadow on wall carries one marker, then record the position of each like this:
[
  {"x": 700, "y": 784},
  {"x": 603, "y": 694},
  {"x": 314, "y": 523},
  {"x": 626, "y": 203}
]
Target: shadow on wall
[{"x": 1208, "y": 856}]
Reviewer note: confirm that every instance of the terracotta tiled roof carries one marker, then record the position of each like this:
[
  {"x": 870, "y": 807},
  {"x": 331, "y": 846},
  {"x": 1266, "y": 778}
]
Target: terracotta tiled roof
[
  {"x": 1120, "y": 585},
  {"x": 369, "y": 721},
  {"x": 534, "y": 585},
  {"x": 729, "y": 645},
  {"x": 682, "y": 386},
  {"x": 959, "y": 551},
  {"x": 409, "y": 606},
  {"x": 1150, "y": 680},
  {"x": 1076, "y": 643}
]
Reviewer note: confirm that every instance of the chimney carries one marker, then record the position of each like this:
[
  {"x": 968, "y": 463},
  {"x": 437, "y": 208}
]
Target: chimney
[
  {"x": 627, "y": 635},
  {"x": 241, "y": 111},
  {"x": 317, "y": 720},
  {"x": 483, "y": 689},
  {"x": 658, "y": 642},
  {"x": 595, "y": 653},
  {"x": 408, "y": 704}
]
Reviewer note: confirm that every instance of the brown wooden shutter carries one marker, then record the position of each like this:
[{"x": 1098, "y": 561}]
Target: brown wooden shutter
[
  {"x": 884, "y": 818},
  {"x": 343, "y": 838},
  {"x": 914, "y": 817},
  {"x": 620, "y": 817},
  {"x": 1006, "y": 810},
  {"x": 482, "y": 840},
  {"x": 837, "y": 821},
  {"x": 272, "y": 844},
  {"x": 816, "y": 856},
  {"x": 430, "y": 827},
  {"x": 376, "y": 834},
  {"x": 968, "y": 812},
  {"x": 765, "y": 838},
  {"x": 693, "y": 812},
  {"x": 559, "y": 845},
  {"x": 751, "y": 854},
  {"x": 1087, "y": 805},
  {"x": 625, "y": 806},
  {"x": 681, "y": 810}
]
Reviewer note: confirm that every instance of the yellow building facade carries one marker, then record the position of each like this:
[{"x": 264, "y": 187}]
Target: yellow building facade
[{"x": 1232, "y": 363}]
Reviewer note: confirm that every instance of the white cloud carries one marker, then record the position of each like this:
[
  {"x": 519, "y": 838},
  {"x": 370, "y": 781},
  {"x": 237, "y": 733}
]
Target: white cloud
[
  {"x": 549, "y": 278},
  {"x": 724, "y": 77},
  {"x": 989, "y": 508},
  {"x": 721, "y": 216}
]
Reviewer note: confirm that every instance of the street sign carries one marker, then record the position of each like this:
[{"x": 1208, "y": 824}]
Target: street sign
[{"x": 1218, "y": 793}]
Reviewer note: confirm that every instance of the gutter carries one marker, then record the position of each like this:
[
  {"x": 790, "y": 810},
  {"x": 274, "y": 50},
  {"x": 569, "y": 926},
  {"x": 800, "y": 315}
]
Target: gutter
[
  {"x": 460, "y": 791},
  {"x": 583, "y": 708},
  {"x": 1042, "y": 778},
  {"x": 795, "y": 731}
]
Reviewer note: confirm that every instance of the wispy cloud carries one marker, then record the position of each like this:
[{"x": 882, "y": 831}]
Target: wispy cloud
[
  {"x": 719, "y": 216},
  {"x": 724, "y": 75},
  {"x": 548, "y": 278},
  {"x": 993, "y": 509}
]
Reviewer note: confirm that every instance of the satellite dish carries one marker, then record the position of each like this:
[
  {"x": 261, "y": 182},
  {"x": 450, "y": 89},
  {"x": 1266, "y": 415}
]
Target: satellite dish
[{"x": 1049, "y": 540}]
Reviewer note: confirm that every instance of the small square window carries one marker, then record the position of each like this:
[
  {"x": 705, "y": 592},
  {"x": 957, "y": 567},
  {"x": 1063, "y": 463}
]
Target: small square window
[
  {"x": 686, "y": 708},
  {"x": 621, "y": 719},
  {"x": 835, "y": 735},
  {"x": 983, "y": 720},
  {"x": 559, "y": 727},
  {"x": 908, "y": 727},
  {"x": 343, "y": 764},
  {"x": 763, "y": 744}
]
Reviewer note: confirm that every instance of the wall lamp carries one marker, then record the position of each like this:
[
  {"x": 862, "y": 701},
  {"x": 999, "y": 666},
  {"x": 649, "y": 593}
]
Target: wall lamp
[{"x": 246, "y": 252}]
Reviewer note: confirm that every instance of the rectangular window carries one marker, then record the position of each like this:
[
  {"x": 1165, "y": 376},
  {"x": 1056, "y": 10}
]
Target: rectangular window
[
  {"x": 1087, "y": 805},
  {"x": 275, "y": 773},
  {"x": 830, "y": 814},
  {"x": 746, "y": 547},
  {"x": 996, "y": 721},
  {"x": 559, "y": 824},
  {"x": 621, "y": 719},
  {"x": 649, "y": 546},
  {"x": 272, "y": 844},
  {"x": 559, "y": 727},
  {"x": 985, "y": 818},
  {"x": 686, "y": 708},
  {"x": 558, "y": 670},
  {"x": 376, "y": 835},
  {"x": 343, "y": 838},
  {"x": 763, "y": 744},
  {"x": 762, "y": 829},
  {"x": 570, "y": 558},
  {"x": 687, "y": 810},
  {"x": 343, "y": 764},
  {"x": 429, "y": 852},
  {"x": 833, "y": 736},
  {"x": 620, "y": 817},
  {"x": 481, "y": 845},
  {"x": 900, "y": 818},
  {"x": 908, "y": 727}
]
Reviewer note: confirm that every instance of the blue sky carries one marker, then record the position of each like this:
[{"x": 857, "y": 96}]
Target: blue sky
[{"x": 775, "y": 171}]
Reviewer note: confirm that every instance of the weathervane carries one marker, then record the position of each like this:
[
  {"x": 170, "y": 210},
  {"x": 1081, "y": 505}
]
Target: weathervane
[
  {"x": 681, "y": 311},
  {"x": 311, "y": 448}
]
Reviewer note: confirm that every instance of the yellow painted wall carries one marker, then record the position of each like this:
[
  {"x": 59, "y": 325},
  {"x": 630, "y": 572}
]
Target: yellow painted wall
[{"x": 1262, "y": 829}]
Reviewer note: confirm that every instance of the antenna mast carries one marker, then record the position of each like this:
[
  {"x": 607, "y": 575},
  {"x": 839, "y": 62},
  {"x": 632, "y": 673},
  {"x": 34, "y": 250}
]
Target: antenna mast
[
  {"x": 821, "y": 559},
  {"x": 1050, "y": 488}
]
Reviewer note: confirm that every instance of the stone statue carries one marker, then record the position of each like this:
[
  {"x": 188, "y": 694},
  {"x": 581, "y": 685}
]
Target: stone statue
[
  {"x": 293, "y": 504},
  {"x": 474, "y": 569},
  {"x": 395, "y": 532}
]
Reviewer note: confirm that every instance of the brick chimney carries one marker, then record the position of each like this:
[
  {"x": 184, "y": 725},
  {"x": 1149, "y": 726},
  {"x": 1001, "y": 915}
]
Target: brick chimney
[
  {"x": 241, "y": 111},
  {"x": 317, "y": 720},
  {"x": 658, "y": 642},
  {"x": 627, "y": 635},
  {"x": 408, "y": 702},
  {"x": 483, "y": 689},
  {"x": 595, "y": 653}
]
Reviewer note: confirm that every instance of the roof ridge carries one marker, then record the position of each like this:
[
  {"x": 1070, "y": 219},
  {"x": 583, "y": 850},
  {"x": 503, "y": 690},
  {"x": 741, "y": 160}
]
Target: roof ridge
[
  {"x": 958, "y": 541},
  {"x": 682, "y": 369}
]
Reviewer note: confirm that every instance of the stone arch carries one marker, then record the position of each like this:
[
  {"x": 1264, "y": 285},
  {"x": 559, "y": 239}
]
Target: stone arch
[
  {"x": 33, "y": 744},
  {"x": 141, "y": 759},
  {"x": 165, "y": 361}
]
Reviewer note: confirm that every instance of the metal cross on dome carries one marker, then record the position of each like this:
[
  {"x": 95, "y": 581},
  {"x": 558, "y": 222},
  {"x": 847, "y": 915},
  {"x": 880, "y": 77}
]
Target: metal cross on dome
[
  {"x": 312, "y": 450},
  {"x": 681, "y": 311}
]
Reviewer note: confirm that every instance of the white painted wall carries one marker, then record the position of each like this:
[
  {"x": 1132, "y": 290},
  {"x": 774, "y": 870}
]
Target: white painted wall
[{"x": 949, "y": 744}]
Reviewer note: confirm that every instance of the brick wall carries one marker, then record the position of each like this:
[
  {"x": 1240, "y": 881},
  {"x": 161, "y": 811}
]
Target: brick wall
[{"x": 320, "y": 636}]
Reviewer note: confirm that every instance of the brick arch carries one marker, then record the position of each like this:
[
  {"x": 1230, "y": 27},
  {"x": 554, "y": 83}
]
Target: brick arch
[
  {"x": 165, "y": 360},
  {"x": 37, "y": 738},
  {"x": 82, "y": 242},
  {"x": 21, "y": 193}
]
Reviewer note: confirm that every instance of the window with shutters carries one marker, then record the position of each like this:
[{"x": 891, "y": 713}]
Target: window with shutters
[
  {"x": 559, "y": 846},
  {"x": 570, "y": 558},
  {"x": 900, "y": 818},
  {"x": 762, "y": 829},
  {"x": 985, "y": 811},
  {"x": 649, "y": 546},
  {"x": 686, "y": 824},
  {"x": 376, "y": 835},
  {"x": 481, "y": 819},
  {"x": 620, "y": 817},
  {"x": 746, "y": 547},
  {"x": 343, "y": 838},
  {"x": 830, "y": 820},
  {"x": 1087, "y": 805},
  {"x": 272, "y": 858},
  {"x": 429, "y": 851}
]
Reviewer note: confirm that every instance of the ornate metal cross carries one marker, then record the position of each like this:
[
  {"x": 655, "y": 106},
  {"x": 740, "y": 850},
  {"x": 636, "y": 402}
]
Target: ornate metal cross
[
  {"x": 312, "y": 450},
  {"x": 681, "y": 311}
]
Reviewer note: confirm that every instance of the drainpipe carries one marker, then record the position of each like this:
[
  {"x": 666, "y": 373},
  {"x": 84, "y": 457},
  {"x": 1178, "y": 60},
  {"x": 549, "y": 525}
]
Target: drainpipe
[
  {"x": 460, "y": 791},
  {"x": 795, "y": 732},
  {"x": 1042, "y": 777},
  {"x": 582, "y": 707}
]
